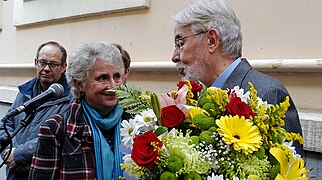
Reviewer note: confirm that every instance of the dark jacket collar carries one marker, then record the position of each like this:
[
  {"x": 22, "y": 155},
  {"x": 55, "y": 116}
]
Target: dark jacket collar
[
  {"x": 27, "y": 88},
  {"x": 238, "y": 75}
]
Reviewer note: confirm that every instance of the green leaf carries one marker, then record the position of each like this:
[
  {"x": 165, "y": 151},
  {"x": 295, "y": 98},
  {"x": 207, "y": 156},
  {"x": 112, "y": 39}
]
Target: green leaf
[
  {"x": 160, "y": 130},
  {"x": 130, "y": 98},
  {"x": 155, "y": 104}
]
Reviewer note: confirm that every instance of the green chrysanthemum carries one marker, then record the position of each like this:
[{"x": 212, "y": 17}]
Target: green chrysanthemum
[
  {"x": 203, "y": 122},
  {"x": 179, "y": 145},
  {"x": 214, "y": 101},
  {"x": 251, "y": 165},
  {"x": 206, "y": 137},
  {"x": 192, "y": 176},
  {"x": 166, "y": 175},
  {"x": 174, "y": 163}
]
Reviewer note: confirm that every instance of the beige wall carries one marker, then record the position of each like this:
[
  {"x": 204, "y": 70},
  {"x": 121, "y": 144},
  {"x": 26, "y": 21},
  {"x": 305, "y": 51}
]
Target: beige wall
[
  {"x": 271, "y": 29},
  {"x": 288, "y": 29}
]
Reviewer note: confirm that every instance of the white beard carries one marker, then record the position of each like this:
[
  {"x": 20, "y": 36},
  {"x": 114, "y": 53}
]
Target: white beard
[{"x": 193, "y": 72}]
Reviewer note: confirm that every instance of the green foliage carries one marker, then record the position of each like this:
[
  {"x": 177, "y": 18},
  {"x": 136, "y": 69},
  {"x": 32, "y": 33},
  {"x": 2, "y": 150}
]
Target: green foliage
[
  {"x": 278, "y": 138},
  {"x": 155, "y": 104},
  {"x": 160, "y": 130},
  {"x": 130, "y": 98},
  {"x": 260, "y": 154},
  {"x": 274, "y": 171}
]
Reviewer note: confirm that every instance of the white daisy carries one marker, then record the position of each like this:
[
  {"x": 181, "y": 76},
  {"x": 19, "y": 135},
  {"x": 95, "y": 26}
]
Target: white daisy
[
  {"x": 147, "y": 119},
  {"x": 128, "y": 131}
]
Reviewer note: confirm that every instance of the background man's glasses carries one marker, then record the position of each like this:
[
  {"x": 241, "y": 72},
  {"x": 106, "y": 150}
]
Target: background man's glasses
[{"x": 42, "y": 63}]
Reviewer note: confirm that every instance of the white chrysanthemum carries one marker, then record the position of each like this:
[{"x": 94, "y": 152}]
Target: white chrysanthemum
[
  {"x": 215, "y": 177},
  {"x": 128, "y": 131},
  {"x": 147, "y": 119}
]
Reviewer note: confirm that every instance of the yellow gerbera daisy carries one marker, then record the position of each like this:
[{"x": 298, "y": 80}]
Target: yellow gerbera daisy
[
  {"x": 240, "y": 132},
  {"x": 291, "y": 168},
  {"x": 194, "y": 111}
]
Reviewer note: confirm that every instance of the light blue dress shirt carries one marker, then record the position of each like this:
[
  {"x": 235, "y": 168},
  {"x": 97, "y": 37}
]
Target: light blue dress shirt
[{"x": 220, "y": 81}]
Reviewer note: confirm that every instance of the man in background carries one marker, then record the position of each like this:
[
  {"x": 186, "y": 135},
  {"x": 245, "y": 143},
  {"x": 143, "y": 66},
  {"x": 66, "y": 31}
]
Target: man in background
[
  {"x": 208, "y": 48},
  {"x": 50, "y": 63}
]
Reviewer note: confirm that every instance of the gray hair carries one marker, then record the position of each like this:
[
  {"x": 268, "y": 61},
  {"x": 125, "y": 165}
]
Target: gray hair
[
  {"x": 205, "y": 14},
  {"x": 85, "y": 56}
]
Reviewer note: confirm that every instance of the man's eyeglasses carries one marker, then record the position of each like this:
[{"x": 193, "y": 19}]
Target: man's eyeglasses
[
  {"x": 42, "y": 63},
  {"x": 178, "y": 42}
]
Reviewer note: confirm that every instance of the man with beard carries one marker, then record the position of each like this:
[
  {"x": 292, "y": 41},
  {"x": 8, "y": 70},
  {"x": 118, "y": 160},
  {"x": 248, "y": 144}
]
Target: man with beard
[
  {"x": 50, "y": 63},
  {"x": 208, "y": 46}
]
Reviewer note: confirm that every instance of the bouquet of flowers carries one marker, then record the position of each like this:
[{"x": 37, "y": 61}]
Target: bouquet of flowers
[{"x": 206, "y": 133}]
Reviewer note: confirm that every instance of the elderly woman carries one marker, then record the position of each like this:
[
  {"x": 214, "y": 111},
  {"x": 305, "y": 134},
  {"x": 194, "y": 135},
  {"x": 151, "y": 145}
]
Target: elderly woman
[{"x": 84, "y": 143}]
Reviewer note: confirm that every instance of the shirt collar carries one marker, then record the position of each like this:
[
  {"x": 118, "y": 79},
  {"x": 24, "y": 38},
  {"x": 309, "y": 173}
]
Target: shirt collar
[{"x": 220, "y": 81}]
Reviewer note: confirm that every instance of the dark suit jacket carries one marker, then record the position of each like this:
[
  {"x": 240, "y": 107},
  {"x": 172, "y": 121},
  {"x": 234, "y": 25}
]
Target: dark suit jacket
[{"x": 269, "y": 89}]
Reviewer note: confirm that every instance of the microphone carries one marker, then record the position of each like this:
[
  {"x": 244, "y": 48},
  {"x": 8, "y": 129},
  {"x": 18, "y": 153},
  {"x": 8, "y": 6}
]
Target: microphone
[{"x": 54, "y": 91}]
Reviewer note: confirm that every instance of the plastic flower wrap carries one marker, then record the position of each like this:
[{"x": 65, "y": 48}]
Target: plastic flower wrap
[{"x": 196, "y": 132}]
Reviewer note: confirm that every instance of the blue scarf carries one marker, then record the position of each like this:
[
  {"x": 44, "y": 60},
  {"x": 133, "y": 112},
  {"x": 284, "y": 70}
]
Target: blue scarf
[{"x": 107, "y": 163}]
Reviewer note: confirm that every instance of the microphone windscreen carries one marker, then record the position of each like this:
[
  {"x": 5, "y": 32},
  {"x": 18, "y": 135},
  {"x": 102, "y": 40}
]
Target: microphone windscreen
[{"x": 58, "y": 89}]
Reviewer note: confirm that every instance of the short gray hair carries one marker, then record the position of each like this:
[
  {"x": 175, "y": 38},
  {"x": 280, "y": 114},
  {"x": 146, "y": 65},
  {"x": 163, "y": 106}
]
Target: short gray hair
[
  {"x": 205, "y": 14},
  {"x": 83, "y": 59}
]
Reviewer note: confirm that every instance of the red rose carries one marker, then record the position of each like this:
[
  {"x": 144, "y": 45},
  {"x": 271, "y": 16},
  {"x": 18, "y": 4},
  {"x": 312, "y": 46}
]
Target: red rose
[
  {"x": 237, "y": 107},
  {"x": 143, "y": 152},
  {"x": 180, "y": 84},
  {"x": 171, "y": 116},
  {"x": 195, "y": 87}
]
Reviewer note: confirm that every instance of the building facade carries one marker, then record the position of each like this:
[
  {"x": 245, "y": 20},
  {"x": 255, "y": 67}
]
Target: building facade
[{"x": 281, "y": 38}]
